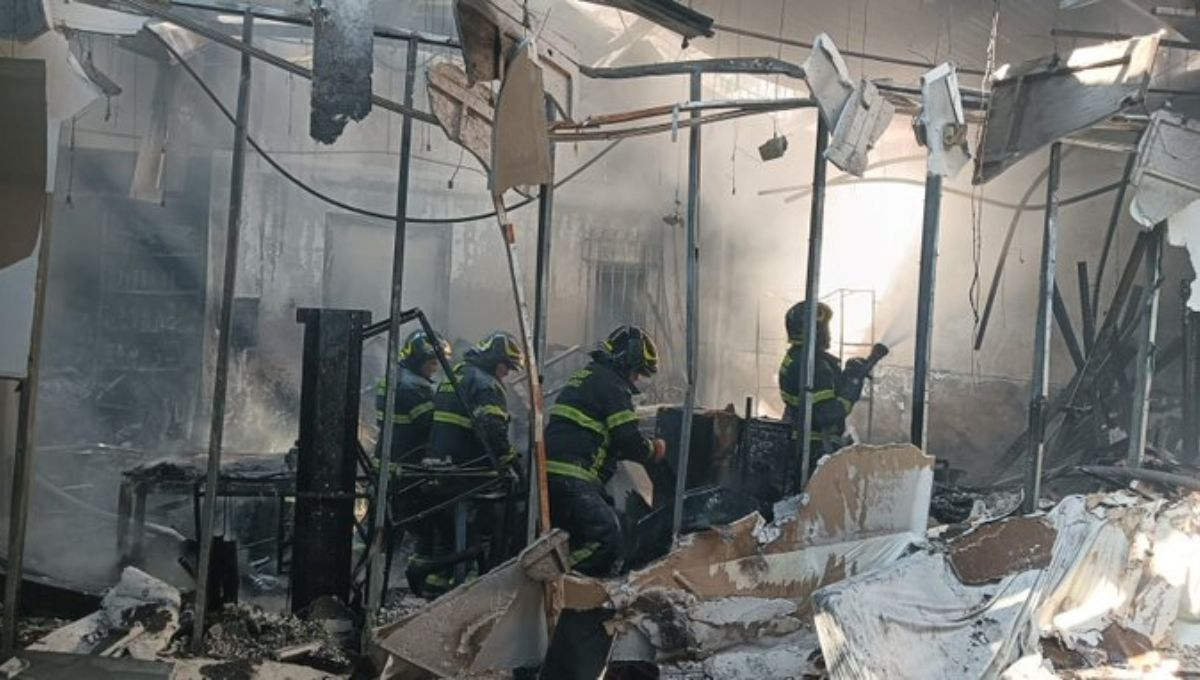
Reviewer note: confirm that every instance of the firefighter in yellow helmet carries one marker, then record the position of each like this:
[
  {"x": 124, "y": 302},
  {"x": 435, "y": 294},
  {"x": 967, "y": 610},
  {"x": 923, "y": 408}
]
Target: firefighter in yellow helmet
[
  {"x": 592, "y": 425},
  {"x": 835, "y": 389}
]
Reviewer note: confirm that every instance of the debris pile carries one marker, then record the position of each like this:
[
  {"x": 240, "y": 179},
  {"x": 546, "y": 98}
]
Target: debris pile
[
  {"x": 243, "y": 632},
  {"x": 1099, "y": 581}
]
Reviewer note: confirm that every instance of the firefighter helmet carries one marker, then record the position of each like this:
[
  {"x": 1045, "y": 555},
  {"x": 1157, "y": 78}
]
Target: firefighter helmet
[
  {"x": 632, "y": 349},
  {"x": 499, "y": 348},
  {"x": 418, "y": 349},
  {"x": 794, "y": 321}
]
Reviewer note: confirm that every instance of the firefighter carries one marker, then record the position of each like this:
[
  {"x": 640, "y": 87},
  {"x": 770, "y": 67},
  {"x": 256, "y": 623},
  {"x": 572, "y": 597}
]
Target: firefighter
[
  {"x": 413, "y": 419},
  {"x": 481, "y": 377},
  {"x": 592, "y": 425},
  {"x": 413, "y": 415},
  {"x": 455, "y": 440},
  {"x": 835, "y": 389}
]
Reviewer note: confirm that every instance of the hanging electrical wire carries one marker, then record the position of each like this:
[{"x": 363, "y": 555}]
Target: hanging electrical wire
[
  {"x": 976, "y": 288},
  {"x": 353, "y": 208}
]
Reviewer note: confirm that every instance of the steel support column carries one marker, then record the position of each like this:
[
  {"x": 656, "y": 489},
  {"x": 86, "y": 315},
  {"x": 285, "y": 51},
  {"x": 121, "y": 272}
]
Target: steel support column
[
  {"x": 541, "y": 303},
  {"x": 376, "y": 557},
  {"x": 224, "y": 329},
  {"x": 692, "y": 314},
  {"x": 1040, "y": 380},
  {"x": 327, "y": 465},
  {"x": 1190, "y": 326},
  {"x": 1140, "y": 416},
  {"x": 812, "y": 293},
  {"x": 925, "y": 293}
]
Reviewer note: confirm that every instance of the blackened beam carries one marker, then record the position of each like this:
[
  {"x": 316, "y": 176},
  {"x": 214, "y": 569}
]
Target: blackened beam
[
  {"x": 218, "y": 36},
  {"x": 845, "y": 53},
  {"x": 755, "y": 65},
  {"x": 1085, "y": 307},
  {"x": 1114, "y": 219},
  {"x": 260, "y": 12},
  {"x": 1063, "y": 319}
]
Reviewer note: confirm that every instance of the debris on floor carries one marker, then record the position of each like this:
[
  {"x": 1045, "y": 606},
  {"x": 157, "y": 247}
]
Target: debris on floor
[{"x": 1112, "y": 579}]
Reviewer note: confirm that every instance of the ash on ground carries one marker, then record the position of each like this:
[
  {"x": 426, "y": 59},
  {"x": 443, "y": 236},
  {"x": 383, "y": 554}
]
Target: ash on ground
[{"x": 247, "y": 633}]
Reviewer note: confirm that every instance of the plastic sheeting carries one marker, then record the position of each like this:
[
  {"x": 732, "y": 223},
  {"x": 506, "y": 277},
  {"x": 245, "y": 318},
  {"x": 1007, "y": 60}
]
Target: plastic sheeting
[{"x": 1117, "y": 564}]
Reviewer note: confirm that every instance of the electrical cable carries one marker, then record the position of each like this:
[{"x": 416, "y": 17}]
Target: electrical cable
[{"x": 352, "y": 208}]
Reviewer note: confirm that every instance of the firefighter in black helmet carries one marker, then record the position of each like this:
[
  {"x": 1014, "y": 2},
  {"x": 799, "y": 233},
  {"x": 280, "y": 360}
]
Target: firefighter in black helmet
[
  {"x": 413, "y": 415},
  {"x": 481, "y": 378},
  {"x": 413, "y": 420},
  {"x": 835, "y": 389},
  {"x": 454, "y": 439},
  {"x": 592, "y": 425}
]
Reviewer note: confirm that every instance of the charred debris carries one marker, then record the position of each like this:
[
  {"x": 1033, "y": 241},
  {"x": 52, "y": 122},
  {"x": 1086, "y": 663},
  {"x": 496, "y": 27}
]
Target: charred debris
[{"x": 203, "y": 306}]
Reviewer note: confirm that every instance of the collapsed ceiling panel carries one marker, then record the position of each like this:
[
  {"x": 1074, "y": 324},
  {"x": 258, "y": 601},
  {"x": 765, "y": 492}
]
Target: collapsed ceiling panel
[
  {"x": 1041, "y": 101},
  {"x": 941, "y": 125},
  {"x": 464, "y": 112},
  {"x": 863, "y": 120},
  {"x": 828, "y": 79},
  {"x": 1167, "y": 172},
  {"x": 488, "y": 31},
  {"x": 520, "y": 143},
  {"x": 671, "y": 15},
  {"x": 343, "y": 58}
]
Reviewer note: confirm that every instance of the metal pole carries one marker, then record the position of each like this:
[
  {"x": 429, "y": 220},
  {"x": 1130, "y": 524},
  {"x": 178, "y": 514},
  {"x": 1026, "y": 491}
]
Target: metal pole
[
  {"x": 693, "y": 310},
  {"x": 1040, "y": 381},
  {"x": 26, "y": 434},
  {"x": 541, "y": 304},
  {"x": 812, "y": 288},
  {"x": 224, "y": 328},
  {"x": 925, "y": 291},
  {"x": 1189, "y": 326},
  {"x": 1140, "y": 416},
  {"x": 376, "y": 559}
]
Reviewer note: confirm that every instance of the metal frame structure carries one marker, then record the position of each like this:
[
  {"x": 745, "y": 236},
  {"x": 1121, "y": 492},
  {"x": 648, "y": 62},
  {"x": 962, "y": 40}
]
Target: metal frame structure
[{"x": 224, "y": 329}]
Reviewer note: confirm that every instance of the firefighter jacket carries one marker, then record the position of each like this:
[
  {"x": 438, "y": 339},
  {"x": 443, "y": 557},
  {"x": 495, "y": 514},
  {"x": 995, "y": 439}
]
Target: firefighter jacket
[
  {"x": 454, "y": 437},
  {"x": 413, "y": 415},
  {"x": 829, "y": 409},
  {"x": 592, "y": 425}
]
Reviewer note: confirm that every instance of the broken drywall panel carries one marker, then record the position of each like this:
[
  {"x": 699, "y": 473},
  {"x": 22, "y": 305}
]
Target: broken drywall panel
[
  {"x": 671, "y": 15},
  {"x": 488, "y": 31},
  {"x": 1041, "y": 101},
  {"x": 1166, "y": 175},
  {"x": 866, "y": 506},
  {"x": 464, "y": 111},
  {"x": 863, "y": 120},
  {"x": 343, "y": 58},
  {"x": 1100, "y": 594},
  {"x": 1183, "y": 230},
  {"x": 990, "y": 552},
  {"x": 520, "y": 143},
  {"x": 493, "y": 623},
  {"x": 941, "y": 125},
  {"x": 828, "y": 79},
  {"x": 138, "y": 617}
]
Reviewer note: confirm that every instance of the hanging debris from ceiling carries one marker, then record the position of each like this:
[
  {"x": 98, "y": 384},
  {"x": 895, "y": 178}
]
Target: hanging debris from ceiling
[
  {"x": 941, "y": 125},
  {"x": 343, "y": 57},
  {"x": 1041, "y": 101}
]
